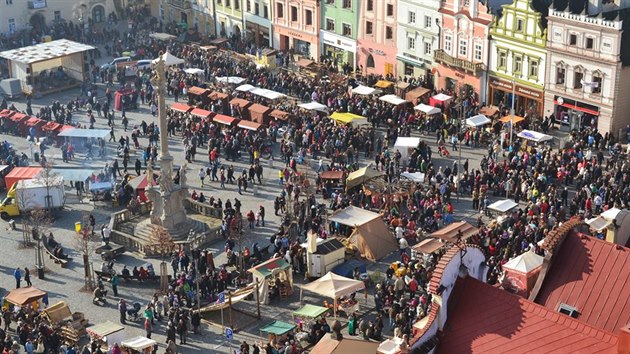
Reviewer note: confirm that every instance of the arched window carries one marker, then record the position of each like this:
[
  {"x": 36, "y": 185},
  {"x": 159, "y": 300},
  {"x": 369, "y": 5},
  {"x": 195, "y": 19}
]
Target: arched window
[
  {"x": 561, "y": 73},
  {"x": 596, "y": 82},
  {"x": 98, "y": 14},
  {"x": 370, "y": 61}
]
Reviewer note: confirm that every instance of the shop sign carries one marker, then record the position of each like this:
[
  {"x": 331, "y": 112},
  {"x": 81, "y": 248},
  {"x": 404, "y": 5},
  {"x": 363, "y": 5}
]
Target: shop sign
[
  {"x": 339, "y": 41},
  {"x": 500, "y": 83},
  {"x": 377, "y": 52},
  {"x": 529, "y": 92},
  {"x": 294, "y": 34},
  {"x": 411, "y": 56},
  {"x": 460, "y": 75}
]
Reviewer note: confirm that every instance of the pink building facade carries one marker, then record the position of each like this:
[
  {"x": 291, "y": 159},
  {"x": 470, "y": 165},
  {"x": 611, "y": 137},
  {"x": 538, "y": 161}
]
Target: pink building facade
[
  {"x": 376, "y": 51},
  {"x": 296, "y": 26},
  {"x": 464, "y": 52}
]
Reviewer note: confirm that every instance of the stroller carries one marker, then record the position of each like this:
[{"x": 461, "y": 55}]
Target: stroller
[
  {"x": 133, "y": 312},
  {"x": 443, "y": 152}
]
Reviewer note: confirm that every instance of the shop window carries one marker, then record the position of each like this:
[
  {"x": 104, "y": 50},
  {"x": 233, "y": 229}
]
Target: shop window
[
  {"x": 280, "y": 10},
  {"x": 369, "y": 27},
  {"x": 389, "y": 33},
  {"x": 560, "y": 75},
  {"x": 408, "y": 69},
  {"x": 347, "y": 30},
  {"x": 390, "y": 10},
  {"x": 578, "y": 77},
  {"x": 309, "y": 17},
  {"x": 294, "y": 13},
  {"x": 370, "y": 61},
  {"x": 596, "y": 85},
  {"x": 330, "y": 24}
]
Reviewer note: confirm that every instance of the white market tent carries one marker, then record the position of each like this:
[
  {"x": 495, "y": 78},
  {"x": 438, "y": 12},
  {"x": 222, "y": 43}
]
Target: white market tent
[
  {"x": 193, "y": 71},
  {"x": 365, "y": 90},
  {"x": 477, "y": 121},
  {"x": 353, "y": 216},
  {"x": 231, "y": 80},
  {"x": 85, "y": 133},
  {"x": 268, "y": 94},
  {"x": 28, "y": 62},
  {"x": 314, "y": 106},
  {"x": 162, "y": 36},
  {"x": 534, "y": 136},
  {"x": 406, "y": 145},
  {"x": 524, "y": 263},
  {"x": 169, "y": 59},
  {"x": 503, "y": 206},
  {"x": 426, "y": 109},
  {"x": 334, "y": 286},
  {"x": 417, "y": 177},
  {"x": 442, "y": 97},
  {"x": 108, "y": 331},
  {"x": 138, "y": 343},
  {"x": 392, "y": 99},
  {"x": 244, "y": 88}
]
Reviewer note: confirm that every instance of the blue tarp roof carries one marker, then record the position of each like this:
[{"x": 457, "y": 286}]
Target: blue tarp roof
[{"x": 73, "y": 174}]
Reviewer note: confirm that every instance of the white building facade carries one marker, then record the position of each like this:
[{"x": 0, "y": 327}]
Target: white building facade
[
  {"x": 229, "y": 18},
  {"x": 588, "y": 68},
  {"x": 258, "y": 22},
  {"x": 418, "y": 34}
]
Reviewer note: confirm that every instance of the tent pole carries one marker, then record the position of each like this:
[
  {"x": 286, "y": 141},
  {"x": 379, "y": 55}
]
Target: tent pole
[
  {"x": 257, "y": 299},
  {"x": 335, "y": 307}
]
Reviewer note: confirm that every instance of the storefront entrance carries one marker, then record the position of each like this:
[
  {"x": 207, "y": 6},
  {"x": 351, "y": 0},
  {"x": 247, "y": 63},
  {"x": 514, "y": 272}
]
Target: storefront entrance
[
  {"x": 575, "y": 115},
  {"x": 527, "y": 101}
]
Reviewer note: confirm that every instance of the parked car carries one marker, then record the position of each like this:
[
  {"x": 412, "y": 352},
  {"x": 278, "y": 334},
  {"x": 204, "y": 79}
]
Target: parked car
[{"x": 114, "y": 62}]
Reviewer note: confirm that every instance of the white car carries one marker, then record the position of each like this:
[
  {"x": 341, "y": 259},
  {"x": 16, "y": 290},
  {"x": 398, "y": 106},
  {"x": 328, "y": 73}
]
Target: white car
[
  {"x": 144, "y": 64},
  {"x": 115, "y": 61}
]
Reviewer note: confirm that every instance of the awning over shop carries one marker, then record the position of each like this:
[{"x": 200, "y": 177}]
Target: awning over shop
[
  {"x": 477, "y": 121},
  {"x": 392, "y": 99},
  {"x": 452, "y": 232},
  {"x": 245, "y": 124},
  {"x": 198, "y": 112},
  {"x": 314, "y": 106},
  {"x": 534, "y": 136},
  {"x": 223, "y": 119},
  {"x": 180, "y": 107},
  {"x": 383, "y": 84},
  {"x": 426, "y": 109},
  {"x": 348, "y": 118},
  {"x": 503, "y": 206},
  {"x": 278, "y": 328},
  {"x": 85, "y": 133},
  {"x": 365, "y": 90}
]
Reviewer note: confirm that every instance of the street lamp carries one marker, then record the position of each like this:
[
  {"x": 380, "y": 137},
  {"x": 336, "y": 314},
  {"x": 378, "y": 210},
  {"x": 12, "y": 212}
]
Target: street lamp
[
  {"x": 512, "y": 111},
  {"x": 39, "y": 257}
]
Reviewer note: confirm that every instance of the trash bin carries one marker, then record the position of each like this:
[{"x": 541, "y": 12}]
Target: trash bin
[{"x": 36, "y": 156}]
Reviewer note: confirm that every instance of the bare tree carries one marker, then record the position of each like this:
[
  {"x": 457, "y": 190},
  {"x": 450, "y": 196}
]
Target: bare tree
[
  {"x": 86, "y": 243},
  {"x": 39, "y": 222},
  {"x": 48, "y": 178},
  {"x": 163, "y": 244}
]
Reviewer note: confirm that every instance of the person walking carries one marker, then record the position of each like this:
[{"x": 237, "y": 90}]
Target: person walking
[
  {"x": 122, "y": 309},
  {"x": 115, "y": 281},
  {"x": 202, "y": 175},
  {"x": 27, "y": 277},
  {"x": 17, "y": 274}
]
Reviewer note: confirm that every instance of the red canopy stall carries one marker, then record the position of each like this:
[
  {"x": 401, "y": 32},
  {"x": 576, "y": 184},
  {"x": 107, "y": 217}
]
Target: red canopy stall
[
  {"x": 225, "y": 120},
  {"x": 180, "y": 107}
]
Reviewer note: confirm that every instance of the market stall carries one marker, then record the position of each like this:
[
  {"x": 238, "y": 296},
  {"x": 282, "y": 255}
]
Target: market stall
[
  {"x": 426, "y": 109},
  {"x": 265, "y": 93},
  {"x": 385, "y": 85},
  {"x": 162, "y": 36},
  {"x": 107, "y": 333},
  {"x": 503, "y": 206},
  {"x": 138, "y": 344},
  {"x": 241, "y": 106},
  {"x": 275, "y": 277},
  {"x": 361, "y": 176},
  {"x": 33, "y": 126},
  {"x": 20, "y": 297},
  {"x": 225, "y": 120},
  {"x": 332, "y": 181},
  {"x": 489, "y": 111},
  {"x": 406, "y": 146},
  {"x": 308, "y": 313},
  {"x": 141, "y": 183},
  {"x": 477, "y": 121},
  {"x": 169, "y": 60},
  {"x": 322, "y": 255},
  {"x": 512, "y": 119},
  {"x": 234, "y": 80},
  {"x": 198, "y": 96},
  {"x": 201, "y": 113},
  {"x": 339, "y": 289},
  {"x": 455, "y": 232},
  {"x": 259, "y": 113},
  {"x": 180, "y": 107},
  {"x": 21, "y": 173},
  {"x": 440, "y": 99},
  {"x": 126, "y": 98},
  {"x": 280, "y": 115},
  {"x": 348, "y": 118},
  {"x": 245, "y": 88},
  {"x": 392, "y": 99},
  {"x": 427, "y": 247},
  {"x": 416, "y": 177},
  {"x": 82, "y": 138},
  {"x": 534, "y": 136},
  {"x": 247, "y": 125},
  {"x": 365, "y": 90},
  {"x": 314, "y": 106},
  {"x": 416, "y": 94},
  {"x": 277, "y": 330},
  {"x": 194, "y": 71},
  {"x": 216, "y": 95}
]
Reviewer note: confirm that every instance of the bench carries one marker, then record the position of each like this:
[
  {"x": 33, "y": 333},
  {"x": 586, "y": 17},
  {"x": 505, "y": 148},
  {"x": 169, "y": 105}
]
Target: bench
[
  {"x": 108, "y": 277},
  {"x": 61, "y": 261}
]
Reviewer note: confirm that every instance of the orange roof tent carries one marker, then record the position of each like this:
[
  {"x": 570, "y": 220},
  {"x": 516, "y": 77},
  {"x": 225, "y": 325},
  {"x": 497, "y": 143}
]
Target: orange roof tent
[
  {"x": 514, "y": 119},
  {"x": 21, "y": 173}
]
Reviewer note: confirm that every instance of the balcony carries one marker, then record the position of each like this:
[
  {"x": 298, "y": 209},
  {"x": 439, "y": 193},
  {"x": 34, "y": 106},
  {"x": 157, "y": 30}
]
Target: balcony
[
  {"x": 36, "y": 4},
  {"x": 442, "y": 57},
  {"x": 180, "y": 4}
]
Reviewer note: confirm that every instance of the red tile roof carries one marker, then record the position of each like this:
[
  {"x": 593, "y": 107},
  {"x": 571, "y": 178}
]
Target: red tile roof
[
  {"x": 484, "y": 319},
  {"x": 594, "y": 277}
]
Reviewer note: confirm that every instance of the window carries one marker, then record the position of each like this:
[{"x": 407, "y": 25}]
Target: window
[
  {"x": 427, "y": 48},
  {"x": 463, "y": 47},
  {"x": 280, "y": 10},
  {"x": 265, "y": 11},
  {"x": 370, "y": 5},
  {"x": 589, "y": 43},
  {"x": 466, "y": 2},
  {"x": 520, "y": 24},
  {"x": 370, "y": 61},
  {"x": 427, "y": 21},
  {"x": 309, "y": 17},
  {"x": 518, "y": 64},
  {"x": 346, "y": 29},
  {"x": 411, "y": 43},
  {"x": 256, "y": 9},
  {"x": 330, "y": 24},
  {"x": 412, "y": 17},
  {"x": 237, "y": 5},
  {"x": 502, "y": 63},
  {"x": 478, "y": 51},
  {"x": 294, "y": 12},
  {"x": 219, "y": 2},
  {"x": 330, "y": 2},
  {"x": 533, "y": 69},
  {"x": 596, "y": 84},
  {"x": 578, "y": 77},
  {"x": 560, "y": 75},
  {"x": 368, "y": 27},
  {"x": 347, "y": 4},
  {"x": 389, "y": 32},
  {"x": 10, "y": 2},
  {"x": 227, "y": 3},
  {"x": 11, "y": 25},
  {"x": 448, "y": 43},
  {"x": 408, "y": 69},
  {"x": 573, "y": 39},
  {"x": 57, "y": 15},
  {"x": 248, "y": 6},
  {"x": 390, "y": 10}
]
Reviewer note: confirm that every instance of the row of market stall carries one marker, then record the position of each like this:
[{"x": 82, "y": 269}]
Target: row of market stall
[
  {"x": 226, "y": 120},
  {"x": 23, "y": 124}
]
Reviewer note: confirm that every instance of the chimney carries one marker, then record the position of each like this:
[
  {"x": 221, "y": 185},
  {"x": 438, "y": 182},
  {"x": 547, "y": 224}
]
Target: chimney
[
  {"x": 623, "y": 343},
  {"x": 595, "y": 7}
]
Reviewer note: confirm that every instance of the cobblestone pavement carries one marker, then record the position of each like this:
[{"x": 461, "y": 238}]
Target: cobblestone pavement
[{"x": 65, "y": 284}]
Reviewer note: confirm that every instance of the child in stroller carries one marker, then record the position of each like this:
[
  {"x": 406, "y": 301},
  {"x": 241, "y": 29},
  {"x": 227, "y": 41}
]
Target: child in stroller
[
  {"x": 132, "y": 313},
  {"x": 443, "y": 152}
]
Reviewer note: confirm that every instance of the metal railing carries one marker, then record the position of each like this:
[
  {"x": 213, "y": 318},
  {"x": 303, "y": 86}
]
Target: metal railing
[{"x": 442, "y": 57}]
